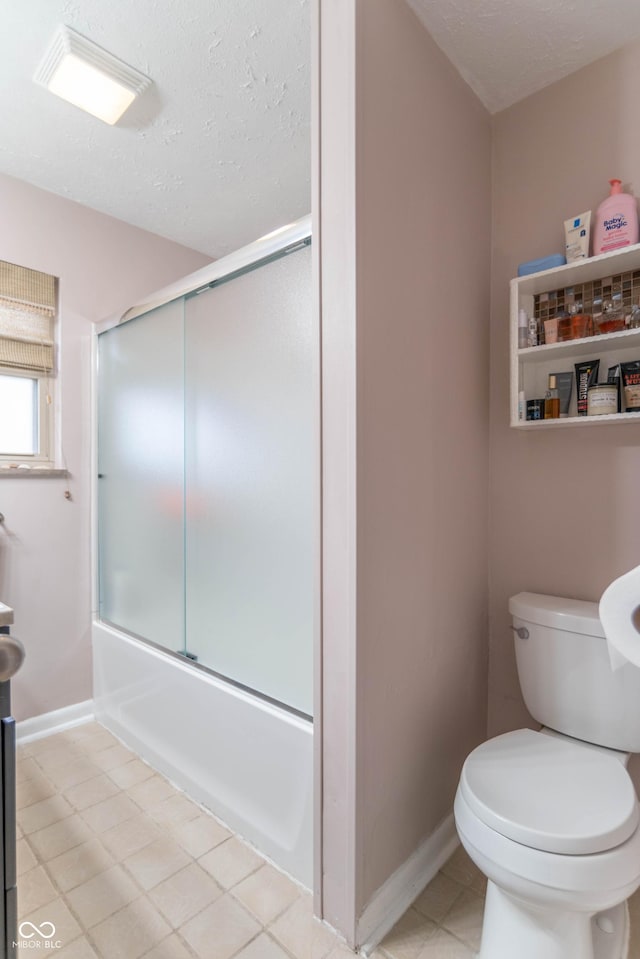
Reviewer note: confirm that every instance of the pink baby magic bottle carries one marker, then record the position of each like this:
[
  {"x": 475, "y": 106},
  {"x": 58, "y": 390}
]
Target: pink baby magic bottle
[{"x": 616, "y": 221}]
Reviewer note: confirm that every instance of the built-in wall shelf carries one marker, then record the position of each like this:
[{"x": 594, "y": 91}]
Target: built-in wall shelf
[
  {"x": 565, "y": 421},
  {"x": 618, "y": 273}
]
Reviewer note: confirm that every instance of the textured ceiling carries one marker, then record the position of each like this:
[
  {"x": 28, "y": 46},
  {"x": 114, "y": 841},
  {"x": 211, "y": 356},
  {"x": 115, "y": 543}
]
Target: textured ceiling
[
  {"x": 508, "y": 49},
  {"x": 217, "y": 152}
]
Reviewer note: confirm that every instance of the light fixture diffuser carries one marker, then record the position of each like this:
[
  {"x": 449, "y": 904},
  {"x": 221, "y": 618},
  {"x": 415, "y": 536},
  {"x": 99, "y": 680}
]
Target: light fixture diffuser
[{"x": 84, "y": 74}]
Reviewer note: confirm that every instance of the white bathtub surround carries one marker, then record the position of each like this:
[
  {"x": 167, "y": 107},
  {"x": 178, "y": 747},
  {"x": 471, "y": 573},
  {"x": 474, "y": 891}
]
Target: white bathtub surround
[{"x": 249, "y": 762}]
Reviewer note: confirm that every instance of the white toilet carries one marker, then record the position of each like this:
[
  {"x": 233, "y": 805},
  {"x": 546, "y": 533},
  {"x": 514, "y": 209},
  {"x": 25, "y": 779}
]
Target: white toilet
[{"x": 551, "y": 817}]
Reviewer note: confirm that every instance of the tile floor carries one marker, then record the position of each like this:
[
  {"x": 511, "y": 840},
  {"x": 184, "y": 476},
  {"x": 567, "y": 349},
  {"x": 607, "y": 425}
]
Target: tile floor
[{"x": 126, "y": 866}]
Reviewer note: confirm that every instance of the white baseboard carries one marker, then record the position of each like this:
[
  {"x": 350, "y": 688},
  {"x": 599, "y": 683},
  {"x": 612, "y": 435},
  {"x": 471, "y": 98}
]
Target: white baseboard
[
  {"x": 54, "y": 722},
  {"x": 395, "y": 896}
]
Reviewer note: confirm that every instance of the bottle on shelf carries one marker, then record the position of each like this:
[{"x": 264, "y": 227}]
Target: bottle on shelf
[
  {"x": 552, "y": 399},
  {"x": 523, "y": 330},
  {"x": 563, "y": 321},
  {"x": 540, "y": 332},
  {"x": 578, "y": 324},
  {"x": 612, "y": 319},
  {"x": 616, "y": 222},
  {"x": 633, "y": 318}
]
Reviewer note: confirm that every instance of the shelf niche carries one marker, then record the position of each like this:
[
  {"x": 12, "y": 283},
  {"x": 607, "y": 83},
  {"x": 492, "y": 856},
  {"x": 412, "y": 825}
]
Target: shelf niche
[{"x": 609, "y": 275}]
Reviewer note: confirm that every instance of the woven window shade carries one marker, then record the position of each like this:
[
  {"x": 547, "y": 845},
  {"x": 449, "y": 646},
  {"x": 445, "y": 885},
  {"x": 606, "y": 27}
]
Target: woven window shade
[{"x": 27, "y": 311}]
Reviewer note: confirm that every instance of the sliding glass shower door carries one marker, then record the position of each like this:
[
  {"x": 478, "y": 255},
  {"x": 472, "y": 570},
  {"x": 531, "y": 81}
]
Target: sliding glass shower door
[
  {"x": 208, "y": 437},
  {"x": 250, "y": 442},
  {"x": 141, "y": 476}
]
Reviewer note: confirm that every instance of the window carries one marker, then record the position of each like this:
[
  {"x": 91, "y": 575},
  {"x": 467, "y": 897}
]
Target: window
[
  {"x": 27, "y": 312},
  {"x": 19, "y": 431}
]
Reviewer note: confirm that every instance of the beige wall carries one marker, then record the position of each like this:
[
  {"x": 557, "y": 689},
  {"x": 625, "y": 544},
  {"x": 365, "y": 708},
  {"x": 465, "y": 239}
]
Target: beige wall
[
  {"x": 423, "y": 206},
  {"x": 412, "y": 663},
  {"x": 104, "y": 266},
  {"x": 565, "y": 509}
]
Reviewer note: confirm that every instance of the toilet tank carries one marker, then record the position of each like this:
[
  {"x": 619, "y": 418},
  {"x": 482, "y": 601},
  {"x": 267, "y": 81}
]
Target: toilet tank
[{"x": 565, "y": 675}]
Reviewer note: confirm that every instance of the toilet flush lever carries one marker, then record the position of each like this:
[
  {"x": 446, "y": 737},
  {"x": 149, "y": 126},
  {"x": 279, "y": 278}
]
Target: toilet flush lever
[{"x": 521, "y": 631}]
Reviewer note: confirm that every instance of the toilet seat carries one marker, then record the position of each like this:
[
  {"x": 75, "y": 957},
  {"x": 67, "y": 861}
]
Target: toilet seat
[{"x": 550, "y": 794}]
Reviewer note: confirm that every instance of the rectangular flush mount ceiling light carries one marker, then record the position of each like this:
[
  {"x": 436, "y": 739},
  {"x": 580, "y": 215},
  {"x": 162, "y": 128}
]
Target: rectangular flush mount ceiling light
[{"x": 81, "y": 72}]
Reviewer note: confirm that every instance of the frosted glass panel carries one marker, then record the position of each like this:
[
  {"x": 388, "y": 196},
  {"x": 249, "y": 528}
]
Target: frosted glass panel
[
  {"x": 250, "y": 441},
  {"x": 141, "y": 469}
]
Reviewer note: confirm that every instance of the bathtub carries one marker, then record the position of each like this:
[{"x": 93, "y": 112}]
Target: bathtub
[{"x": 247, "y": 761}]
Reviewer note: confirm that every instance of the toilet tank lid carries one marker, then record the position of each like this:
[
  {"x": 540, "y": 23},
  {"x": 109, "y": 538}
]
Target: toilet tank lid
[{"x": 573, "y": 615}]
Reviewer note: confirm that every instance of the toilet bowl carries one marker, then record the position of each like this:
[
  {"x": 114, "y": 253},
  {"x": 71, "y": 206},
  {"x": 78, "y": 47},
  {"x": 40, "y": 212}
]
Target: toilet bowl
[
  {"x": 555, "y": 828},
  {"x": 551, "y": 819}
]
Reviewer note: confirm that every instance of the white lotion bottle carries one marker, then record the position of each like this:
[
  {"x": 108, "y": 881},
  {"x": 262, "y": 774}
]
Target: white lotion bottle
[{"x": 523, "y": 329}]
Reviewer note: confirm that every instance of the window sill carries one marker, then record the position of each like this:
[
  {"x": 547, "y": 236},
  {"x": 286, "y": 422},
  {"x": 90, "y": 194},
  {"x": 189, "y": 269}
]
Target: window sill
[{"x": 30, "y": 472}]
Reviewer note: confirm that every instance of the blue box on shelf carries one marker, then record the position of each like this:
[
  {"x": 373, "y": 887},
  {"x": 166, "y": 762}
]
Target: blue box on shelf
[{"x": 544, "y": 263}]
